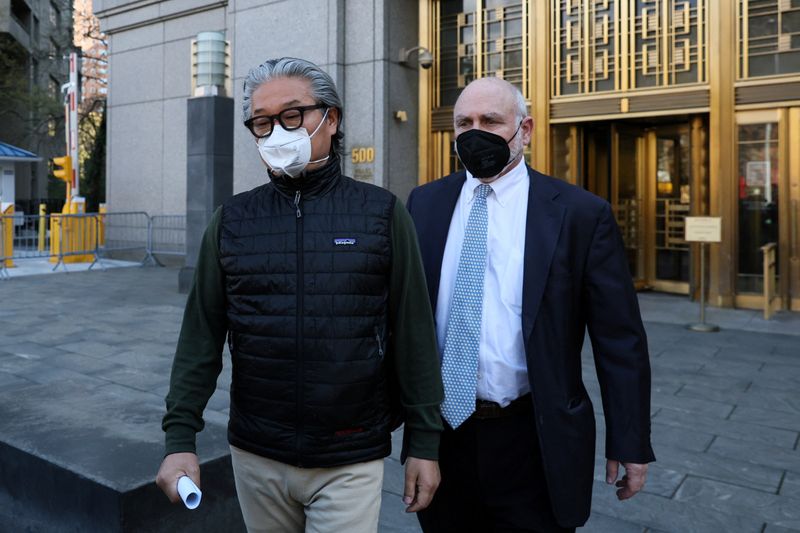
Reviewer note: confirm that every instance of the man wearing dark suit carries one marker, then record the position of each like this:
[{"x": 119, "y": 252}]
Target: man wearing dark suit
[{"x": 519, "y": 265}]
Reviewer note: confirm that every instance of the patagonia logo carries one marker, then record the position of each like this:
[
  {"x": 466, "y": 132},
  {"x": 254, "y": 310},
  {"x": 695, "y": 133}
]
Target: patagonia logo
[{"x": 344, "y": 242}]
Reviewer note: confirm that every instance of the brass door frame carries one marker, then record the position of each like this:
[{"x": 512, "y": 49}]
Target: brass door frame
[
  {"x": 788, "y": 122},
  {"x": 651, "y": 155},
  {"x": 793, "y": 149},
  {"x": 617, "y": 129}
]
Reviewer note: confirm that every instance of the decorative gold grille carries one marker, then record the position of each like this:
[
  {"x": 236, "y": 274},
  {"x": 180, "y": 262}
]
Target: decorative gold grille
[
  {"x": 477, "y": 38},
  {"x": 613, "y": 45},
  {"x": 768, "y": 37}
]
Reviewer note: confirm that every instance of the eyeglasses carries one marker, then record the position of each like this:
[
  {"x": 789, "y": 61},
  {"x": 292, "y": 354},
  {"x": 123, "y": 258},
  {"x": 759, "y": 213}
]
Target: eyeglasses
[{"x": 290, "y": 119}]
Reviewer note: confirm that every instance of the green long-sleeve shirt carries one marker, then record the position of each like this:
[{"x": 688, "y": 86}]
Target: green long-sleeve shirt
[{"x": 413, "y": 349}]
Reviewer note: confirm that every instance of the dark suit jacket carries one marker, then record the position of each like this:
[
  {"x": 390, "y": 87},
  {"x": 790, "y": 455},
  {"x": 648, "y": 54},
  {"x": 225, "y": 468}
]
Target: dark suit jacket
[{"x": 575, "y": 277}]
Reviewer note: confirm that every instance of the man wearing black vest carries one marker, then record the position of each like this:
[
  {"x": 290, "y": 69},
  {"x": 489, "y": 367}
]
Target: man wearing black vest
[{"x": 317, "y": 282}]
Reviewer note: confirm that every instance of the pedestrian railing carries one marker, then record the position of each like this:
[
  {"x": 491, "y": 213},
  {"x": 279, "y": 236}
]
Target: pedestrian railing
[
  {"x": 91, "y": 237},
  {"x": 167, "y": 235},
  {"x": 770, "y": 279},
  {"x": 124, "y": 233}
]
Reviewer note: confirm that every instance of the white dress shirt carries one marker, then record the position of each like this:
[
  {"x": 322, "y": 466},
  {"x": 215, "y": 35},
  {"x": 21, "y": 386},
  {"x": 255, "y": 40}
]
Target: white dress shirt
[{"x": 502, "y": 370}]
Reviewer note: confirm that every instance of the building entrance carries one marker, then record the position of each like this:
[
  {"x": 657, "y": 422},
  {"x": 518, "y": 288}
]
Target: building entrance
[{"x": 651, "y": 174}]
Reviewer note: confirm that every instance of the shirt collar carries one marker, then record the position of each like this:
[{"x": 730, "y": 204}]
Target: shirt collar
[{"x": 503, "y": 186}]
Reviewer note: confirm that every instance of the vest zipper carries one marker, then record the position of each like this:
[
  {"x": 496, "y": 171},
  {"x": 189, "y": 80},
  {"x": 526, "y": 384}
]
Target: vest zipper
[
  {"x": 299, "y": 333},
  {"x": 297, "y": 204},
  {"x": 378, "y": 339}
]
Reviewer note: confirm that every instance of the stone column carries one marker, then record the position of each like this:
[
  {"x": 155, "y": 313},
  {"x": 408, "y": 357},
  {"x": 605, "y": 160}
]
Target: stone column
[{"x": 209, "y": 171}]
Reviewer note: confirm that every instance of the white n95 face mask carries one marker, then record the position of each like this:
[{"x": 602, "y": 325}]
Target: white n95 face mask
[{"x": 289, "y": 152}]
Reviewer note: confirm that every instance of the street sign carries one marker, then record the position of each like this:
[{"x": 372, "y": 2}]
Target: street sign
[{"x": 703, "y": 229}]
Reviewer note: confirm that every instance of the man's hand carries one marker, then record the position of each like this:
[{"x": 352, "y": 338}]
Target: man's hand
[
  {"x": 422, "y": 480},
  {"x": 173, "y": 467},
  {"x": 633, "y": 480}
]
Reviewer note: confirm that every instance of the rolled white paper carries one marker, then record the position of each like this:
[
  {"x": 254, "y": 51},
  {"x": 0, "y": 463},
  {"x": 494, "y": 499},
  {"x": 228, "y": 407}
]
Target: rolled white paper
[{"x": 189, "y": 492}]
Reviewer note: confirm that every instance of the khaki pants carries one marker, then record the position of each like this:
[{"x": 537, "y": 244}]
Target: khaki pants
[{"x": 277, "y": 498}]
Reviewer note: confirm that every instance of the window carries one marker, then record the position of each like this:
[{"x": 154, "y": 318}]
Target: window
[
  {"x": 758, "y": 200},
  {"x": 53, "y": 87},
  {"x": 769, "y": 37},
  {"x": 21, "y": 13},
  {"x": 55, "y": 16}
]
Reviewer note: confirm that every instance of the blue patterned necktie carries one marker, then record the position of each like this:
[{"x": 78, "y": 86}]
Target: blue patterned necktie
[{"x": 462, "y": 338}]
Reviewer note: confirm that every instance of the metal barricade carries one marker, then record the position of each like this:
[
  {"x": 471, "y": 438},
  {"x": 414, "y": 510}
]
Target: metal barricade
[
  {"x": 167, "y": 235},
  {"x": 90, "y": 237},
  {"x": 6, "y": 251},
  {"x": 74, "y": 239},
  {"x": 123, "y": 233}
]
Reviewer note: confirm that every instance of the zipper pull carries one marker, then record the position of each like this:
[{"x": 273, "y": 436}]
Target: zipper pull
[
  {"x": 380, "y": 345},
  {"x": 297, "y": 204}
]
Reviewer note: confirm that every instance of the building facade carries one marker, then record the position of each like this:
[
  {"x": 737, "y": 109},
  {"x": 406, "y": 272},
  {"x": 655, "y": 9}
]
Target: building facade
[
  {"x": 35, "y": 40},
  {"x": 150, "y": 69},
  {"x": 666, "y": 108}
]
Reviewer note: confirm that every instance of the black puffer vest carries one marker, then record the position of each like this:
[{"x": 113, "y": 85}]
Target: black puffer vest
[{"x": 307, "y": 266}]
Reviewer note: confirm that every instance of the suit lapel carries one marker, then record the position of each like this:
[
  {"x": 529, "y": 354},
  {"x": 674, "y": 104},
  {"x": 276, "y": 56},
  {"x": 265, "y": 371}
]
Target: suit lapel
[
  {"x": 438, "y": 230},
  {"x": 541, "y": 236}
]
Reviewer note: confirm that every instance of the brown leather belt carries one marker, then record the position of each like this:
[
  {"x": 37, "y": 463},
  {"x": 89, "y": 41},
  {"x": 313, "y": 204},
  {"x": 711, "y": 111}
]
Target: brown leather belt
[{"x": 485, "y": 409}]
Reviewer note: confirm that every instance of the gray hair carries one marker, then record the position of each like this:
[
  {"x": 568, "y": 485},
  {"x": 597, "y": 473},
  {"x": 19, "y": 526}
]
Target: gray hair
[
  {"x": 520, "y": 105},
  {"x": 322, "y": 87}
]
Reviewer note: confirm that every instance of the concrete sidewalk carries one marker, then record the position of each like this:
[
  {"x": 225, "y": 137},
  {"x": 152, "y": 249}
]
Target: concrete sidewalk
[{"x": 726, "y": 405}]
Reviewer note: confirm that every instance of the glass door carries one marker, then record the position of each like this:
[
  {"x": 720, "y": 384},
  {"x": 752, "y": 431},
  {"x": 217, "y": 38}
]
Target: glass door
[
  {"x": 669, "y": 182},
  {"x": 627, "y": 193}
]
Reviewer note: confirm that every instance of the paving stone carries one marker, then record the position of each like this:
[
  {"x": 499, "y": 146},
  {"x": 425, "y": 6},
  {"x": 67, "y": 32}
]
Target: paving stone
[
  {"x": 767, "y": 417},
  {"x": 151, "y": 363},
  {"x": 394, "y": 518},
  {"x": 777, "y": 529},
  {"x": 736, "y": 500},
  {"x": 697, "y": 380},
  {"x": 210, "y": 416},
  {"x": 762, "y": 355},
  {"x": 725, "y": 469},
  {"x": 220, "y": 400},
  {"x": 95, "y": 349},
  {"x": 744, "y": 430},
  {"x": 781, "y": 372},
  {"x": 664, "y": 435},
  {"x": 692, "y": 406},
  {"x": 731, "y": 368},
  {"x": 82, "y": 363},
  {"x": 682, "y": 365},
  {"x": 15, "y": 364},
  {"x": 785, "y": 381},
  {"x": 397, "y": 444},
  {"x": 656, "y": 512},
  {"x": 32, "y": 350},
  {"x": 790, "y": 348},
  {"x": 791, "y": 484},
  {"x": 42, "y": 337},
  {"x": 10, "y": 382},
  {"x": 394, "y": 477},
  {"x": 703, "y": 378},
  {"x": 690, "y": 352},
  {"x": 47, "y": 374},
  {"x": 771, "y": 456},
  {"x": 107, "y": 335},
  {"x": 136, "y": 379},
  {"x": 600, "y": 523}
]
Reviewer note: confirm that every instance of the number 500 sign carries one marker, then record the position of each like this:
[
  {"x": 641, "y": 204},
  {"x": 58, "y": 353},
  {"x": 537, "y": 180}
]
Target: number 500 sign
[{"x": 363, "y": 155}]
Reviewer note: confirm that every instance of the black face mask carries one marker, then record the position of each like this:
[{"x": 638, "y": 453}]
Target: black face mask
[{"x": 484, "y": 154}]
